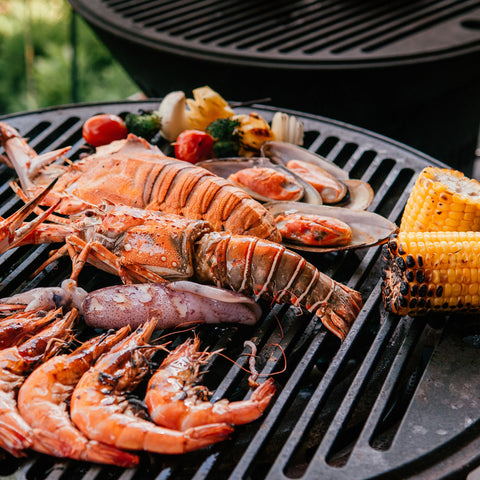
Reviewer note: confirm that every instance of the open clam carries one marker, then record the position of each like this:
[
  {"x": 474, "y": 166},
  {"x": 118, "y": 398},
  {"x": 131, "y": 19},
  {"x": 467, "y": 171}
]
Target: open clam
[
  {"x": 367, "y": 228},
  {"x": 332, "y": 182},
  {"x": 263, "y": 180}
]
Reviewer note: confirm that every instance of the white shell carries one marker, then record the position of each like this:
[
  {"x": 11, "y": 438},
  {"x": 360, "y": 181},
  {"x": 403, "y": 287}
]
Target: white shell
[
  {"x": 224, "y": 167},
  {"x": 282, "y": 152},
  {"x": 368, "y": 228}
]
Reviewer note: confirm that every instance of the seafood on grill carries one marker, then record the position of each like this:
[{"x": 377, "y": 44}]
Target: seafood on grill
[
  {"x": 331, "y": 181},
  {"x": 145, "y": 246},
  {"x": 322, "y": 228},
  {"x": 15, "y": 364},
  {"x": 135, "y": 173},
  {"x": 174, "y": 400},
  {"x": 263, "y": 180},
  {"x": 173, "y": 304},
  {"x": 43, "y": 402},
  {"x": 101, "y": 410}
]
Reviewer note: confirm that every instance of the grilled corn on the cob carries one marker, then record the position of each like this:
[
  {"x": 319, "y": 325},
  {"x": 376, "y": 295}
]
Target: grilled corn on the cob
[
  {"x": 432, "y": 271},
  {"x": 442, "y": 200}
]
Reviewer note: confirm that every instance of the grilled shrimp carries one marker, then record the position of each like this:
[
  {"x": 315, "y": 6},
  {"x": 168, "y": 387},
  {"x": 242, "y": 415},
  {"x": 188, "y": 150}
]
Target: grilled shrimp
[
  {"x": 140, "y": 245},
  {"x": 43, "y": 403},
  {"x": 174, "y": 401},
  {"x": 101, "y": 410},
  {"x": 133, "y": 172},
  {"x": 15, "y": 364},
  {"x": 16, "y": 328}
]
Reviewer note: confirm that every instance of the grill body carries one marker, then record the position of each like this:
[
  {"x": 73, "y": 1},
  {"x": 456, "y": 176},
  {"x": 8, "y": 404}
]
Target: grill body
[
  {"x": 397, "y": 399},
  {"x": 408, "y": 70}
]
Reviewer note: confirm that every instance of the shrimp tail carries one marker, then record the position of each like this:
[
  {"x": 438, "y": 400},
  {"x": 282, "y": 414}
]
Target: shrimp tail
[
  {"x": 91, "y": 451},
  {"x": 205, "y": 435},
  {"x": 14, "y": 439}
]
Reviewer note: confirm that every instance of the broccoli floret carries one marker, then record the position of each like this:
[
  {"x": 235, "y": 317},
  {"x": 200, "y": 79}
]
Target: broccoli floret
[
  {"x": 225, "y": 148},
  {"x": 223, "y": 129},
  {"x": 226, "y": 139},
  {"x": 145, "y": 124}
]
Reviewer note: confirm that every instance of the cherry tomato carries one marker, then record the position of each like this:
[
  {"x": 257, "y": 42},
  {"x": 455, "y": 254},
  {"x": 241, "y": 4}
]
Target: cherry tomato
[
  {"x": 194, "y": 146},
  {"x": 103, "y": 129}
]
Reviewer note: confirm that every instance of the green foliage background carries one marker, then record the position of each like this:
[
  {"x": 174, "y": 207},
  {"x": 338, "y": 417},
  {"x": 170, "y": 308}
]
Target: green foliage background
[{"x": 36, "y": 58}]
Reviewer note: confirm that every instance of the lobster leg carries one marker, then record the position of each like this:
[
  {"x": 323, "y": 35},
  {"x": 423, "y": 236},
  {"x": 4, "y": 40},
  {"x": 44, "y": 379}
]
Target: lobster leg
[
  {"x": 13, "y": 230},
  {"x": 99, "y": 256},
  {"x": 22, "y": 157}
]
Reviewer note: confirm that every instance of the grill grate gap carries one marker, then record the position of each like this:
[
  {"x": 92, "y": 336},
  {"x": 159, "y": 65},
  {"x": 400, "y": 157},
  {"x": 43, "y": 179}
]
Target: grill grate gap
[
  {"x": 37, "y": 130},
  {"x": 381, "y": 173},
  {"x": 309, "y": 137},
  {"x": 56, "y": 134},
  {"x": 394, "y": 192},
  {"x": 362, "y": 164},
  {"x": 345, "y": 154},
  {"x": 327, "y": 146}
]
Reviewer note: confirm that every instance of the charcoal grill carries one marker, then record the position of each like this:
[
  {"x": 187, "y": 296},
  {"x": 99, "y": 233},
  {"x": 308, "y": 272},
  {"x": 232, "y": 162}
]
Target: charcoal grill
[
  {"x": 407, "y": 69},
  {"x": 397, "y": 399}
]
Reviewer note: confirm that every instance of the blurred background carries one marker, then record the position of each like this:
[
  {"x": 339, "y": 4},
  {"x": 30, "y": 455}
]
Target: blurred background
[{"x": 49, "y": 56}]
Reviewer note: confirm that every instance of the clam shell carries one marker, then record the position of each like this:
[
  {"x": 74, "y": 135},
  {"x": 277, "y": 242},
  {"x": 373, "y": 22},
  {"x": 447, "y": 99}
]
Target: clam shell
[
  {"x": 281, "y": 152},
  {"x": 360, "y": 195},
  {"x": 227, "y": 166},
  {"x": 368, "y": 228}
]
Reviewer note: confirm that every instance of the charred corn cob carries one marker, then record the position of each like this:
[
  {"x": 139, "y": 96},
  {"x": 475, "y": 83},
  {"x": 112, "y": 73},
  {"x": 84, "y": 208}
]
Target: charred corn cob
[
  {"x": 442, "y": 200},
  {"x": 432, "y": 271}
]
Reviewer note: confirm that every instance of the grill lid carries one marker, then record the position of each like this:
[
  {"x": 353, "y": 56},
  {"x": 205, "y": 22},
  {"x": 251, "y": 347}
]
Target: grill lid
[
  {"x": 397, "y": 399},
  {"x": 301, "y": 33}
]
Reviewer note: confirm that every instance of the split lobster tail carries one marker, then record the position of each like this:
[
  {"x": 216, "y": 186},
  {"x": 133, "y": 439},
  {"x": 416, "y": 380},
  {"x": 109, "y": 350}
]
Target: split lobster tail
[{"x": 269, "y": 270}]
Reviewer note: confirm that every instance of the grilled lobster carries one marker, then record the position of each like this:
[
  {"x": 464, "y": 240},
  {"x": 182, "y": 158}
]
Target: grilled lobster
[
  {"x": 133, "y": 172},
  {"x": 146, "y": 246}
]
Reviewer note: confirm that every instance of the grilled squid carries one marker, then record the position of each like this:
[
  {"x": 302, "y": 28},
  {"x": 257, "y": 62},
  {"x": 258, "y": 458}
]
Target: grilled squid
[{"x": 173, "y": 304}]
